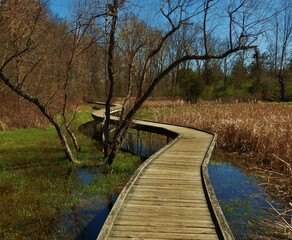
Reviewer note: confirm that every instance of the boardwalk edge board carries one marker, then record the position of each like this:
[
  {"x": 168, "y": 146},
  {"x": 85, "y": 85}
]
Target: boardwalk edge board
[
  {"x": 221, "y": 225},
  {"x": 217, "y": 214}
]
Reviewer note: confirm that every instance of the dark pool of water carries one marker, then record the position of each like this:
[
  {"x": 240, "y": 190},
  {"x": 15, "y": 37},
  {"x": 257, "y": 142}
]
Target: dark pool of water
[
  {"x": 144, "y": 144},
  {"x": 242, "y": 199},
  {"x": 140, "y": 143},
  {"x": 85, "y": 219}
]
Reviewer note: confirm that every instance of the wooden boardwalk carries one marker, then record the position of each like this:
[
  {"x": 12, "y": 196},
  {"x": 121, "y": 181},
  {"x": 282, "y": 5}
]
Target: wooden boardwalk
[{"x": 170, "y": 196}]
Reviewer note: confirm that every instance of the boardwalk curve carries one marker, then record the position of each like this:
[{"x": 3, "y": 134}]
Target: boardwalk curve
[{"x": 170, "y": 196}]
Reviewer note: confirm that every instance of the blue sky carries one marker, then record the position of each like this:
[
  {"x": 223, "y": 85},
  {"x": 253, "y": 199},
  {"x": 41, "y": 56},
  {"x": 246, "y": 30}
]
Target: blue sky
[{"x": 60, "y": 7}]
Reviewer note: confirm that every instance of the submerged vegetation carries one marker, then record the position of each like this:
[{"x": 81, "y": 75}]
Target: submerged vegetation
[{"x": 249, "y": 209}]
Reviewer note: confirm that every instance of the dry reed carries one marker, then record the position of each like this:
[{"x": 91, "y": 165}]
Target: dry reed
[{"x": 18, "y": 113}]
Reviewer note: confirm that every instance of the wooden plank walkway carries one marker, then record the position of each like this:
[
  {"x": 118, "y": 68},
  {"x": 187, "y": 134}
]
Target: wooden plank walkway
[{"x": 167, "y": 198}]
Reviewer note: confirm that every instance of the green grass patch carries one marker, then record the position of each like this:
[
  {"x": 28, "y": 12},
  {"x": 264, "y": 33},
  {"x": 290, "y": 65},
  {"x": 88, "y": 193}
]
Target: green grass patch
[
  {"x": 116, "y": 175},
  {"x": 32, "y": 198},
  {"x": 26, "y": 147}
]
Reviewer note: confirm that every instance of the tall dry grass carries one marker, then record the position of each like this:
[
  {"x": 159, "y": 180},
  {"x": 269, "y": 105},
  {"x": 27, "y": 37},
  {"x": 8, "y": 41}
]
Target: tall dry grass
[
  {"x": 260, "y": 131},
  {"x": 16, "y": 112}
]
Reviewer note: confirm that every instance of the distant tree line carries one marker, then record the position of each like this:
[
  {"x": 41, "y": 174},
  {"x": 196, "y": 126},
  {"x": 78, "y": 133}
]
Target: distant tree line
[{"x": 244, "y": 80}]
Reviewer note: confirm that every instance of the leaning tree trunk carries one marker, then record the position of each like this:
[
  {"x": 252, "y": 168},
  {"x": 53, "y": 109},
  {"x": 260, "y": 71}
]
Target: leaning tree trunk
[
  {"x": 65, "y": 144},
  {"x": 117, "y": 140},
  {"x": 17, "y": 89},
  {"x": 70, "y": 132},
  {"x": 61, "y": 135},
  {"x": 106, "y": 131},
  {"x": 73, "y": 138}
]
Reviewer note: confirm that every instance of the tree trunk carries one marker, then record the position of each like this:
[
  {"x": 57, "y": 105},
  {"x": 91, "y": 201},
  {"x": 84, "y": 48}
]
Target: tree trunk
[
  {"x": 116, "y": 142},
  {"x": 106, "y": 131},
  {"x": 282, "y": 88},
  {"x": 60, "y": 133},
  {"x": 113, "y": 10},
  {"x": 65, "y": 144},
  {"x": 73, "y": 138}
]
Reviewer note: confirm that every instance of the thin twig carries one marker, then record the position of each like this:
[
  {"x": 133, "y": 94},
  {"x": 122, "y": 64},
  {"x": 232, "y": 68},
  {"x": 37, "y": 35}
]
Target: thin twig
[
  {"x": 281, "y": 160},
  {"x": 288, "y": 225}
]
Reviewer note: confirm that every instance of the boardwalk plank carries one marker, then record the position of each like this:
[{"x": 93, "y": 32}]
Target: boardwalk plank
[
  {"x": 163, "y": 235},
  {"x": 163, "y": 229}
]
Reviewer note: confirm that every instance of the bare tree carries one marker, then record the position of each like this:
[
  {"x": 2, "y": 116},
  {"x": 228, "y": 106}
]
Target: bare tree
[
  {"x": 25, "y": 26},
  {"x": 242, "y": 22},
  {"x": 187, "y": 31},
  {"x": 113, "y": 14},
  {"x": 281, "y": 44},
  {"x": 39, "y": 62},
  {"x": 131, "y": 40},
  {"x": 79, "y": 43}
]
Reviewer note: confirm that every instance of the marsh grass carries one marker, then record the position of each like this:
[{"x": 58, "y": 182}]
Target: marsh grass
[
  {"x": 32, "y": 196},
  {"x": 37, "y": 182},
  {"x": 34, "y": 185},
  {"x": 262, "y": 132},
  {"x": 257, "y": 135}
]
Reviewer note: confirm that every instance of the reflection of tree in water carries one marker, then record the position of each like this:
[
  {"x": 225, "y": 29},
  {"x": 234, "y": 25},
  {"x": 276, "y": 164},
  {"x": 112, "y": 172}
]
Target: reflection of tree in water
[
  {"x": 85, "y": 217},
  {"x": 110, "y": 202},
  {"x": 144, "y": 143},
  {"x": 139, "y": 142}
]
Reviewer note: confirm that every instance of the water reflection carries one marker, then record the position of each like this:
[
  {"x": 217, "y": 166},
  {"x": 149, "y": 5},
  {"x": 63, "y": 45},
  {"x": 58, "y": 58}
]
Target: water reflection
[
  {"x": 140, "y": 143},
  {"x": 144, "y": 144},
  {"x": 241, "y": 199},
  {"x": 41, "y": 196},
  {"x": 85, "y": 219},
  {"x": 89, "y": 129}
]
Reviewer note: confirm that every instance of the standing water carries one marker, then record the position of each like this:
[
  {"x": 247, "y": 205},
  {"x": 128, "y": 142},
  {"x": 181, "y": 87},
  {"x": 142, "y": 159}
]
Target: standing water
[
  {"x": 31, "y": 208},
  {"x": 85, "y": 219},
  {"x": 242, "y": 199}
]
